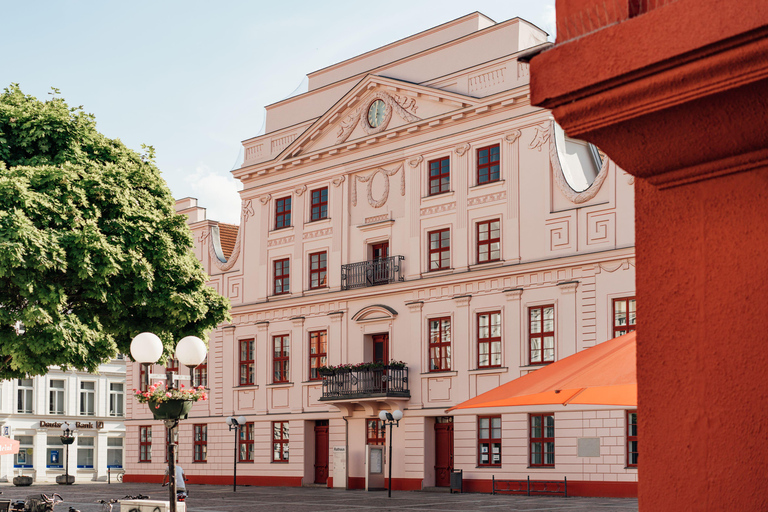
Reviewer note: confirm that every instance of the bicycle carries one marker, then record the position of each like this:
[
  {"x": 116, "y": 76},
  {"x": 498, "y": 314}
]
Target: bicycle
[{"x": 43, "y": 503}]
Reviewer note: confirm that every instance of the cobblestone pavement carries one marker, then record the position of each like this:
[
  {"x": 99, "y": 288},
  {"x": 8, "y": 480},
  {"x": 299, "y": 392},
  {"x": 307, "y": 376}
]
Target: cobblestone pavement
[{"x": 216, "y": 498}]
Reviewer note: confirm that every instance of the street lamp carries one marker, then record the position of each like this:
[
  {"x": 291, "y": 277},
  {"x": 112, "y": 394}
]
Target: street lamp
[
  {"x": 146, "y": 349},
  {"x": 235, "y": 424},
  {"x": 391, "y": 419},
  {"x": 67, "y": 438}
]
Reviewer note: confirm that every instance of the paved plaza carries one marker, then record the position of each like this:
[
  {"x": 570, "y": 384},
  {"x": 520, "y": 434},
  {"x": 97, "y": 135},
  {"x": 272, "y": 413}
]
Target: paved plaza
[{"x": 216, "y": 498}]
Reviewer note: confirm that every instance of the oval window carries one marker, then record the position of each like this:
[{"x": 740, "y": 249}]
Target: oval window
[{"x": 579, "y": 160}]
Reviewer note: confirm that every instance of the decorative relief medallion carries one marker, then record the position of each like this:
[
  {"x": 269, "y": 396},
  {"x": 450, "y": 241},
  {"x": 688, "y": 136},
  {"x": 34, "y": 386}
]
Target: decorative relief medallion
[
  {"x": 265, "y": 198},
  {"x": 300, "y": 190},
  {"x": 403, "y": 106},
  {"x": 280, "y": 241},
  {"x": 415, "y": 161},
  {"x": 462, "y": 148},
  {"x": 247, "y": 211},
  {"x": 378, "y": 203},
  {"x": 338, "y": 180}
]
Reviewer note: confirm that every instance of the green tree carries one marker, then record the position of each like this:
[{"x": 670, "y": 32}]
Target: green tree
[{"x": 91, "y": 249}]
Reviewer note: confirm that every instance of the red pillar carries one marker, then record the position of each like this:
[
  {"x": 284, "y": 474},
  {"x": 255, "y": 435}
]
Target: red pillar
[{"x": 678, "y": 96}]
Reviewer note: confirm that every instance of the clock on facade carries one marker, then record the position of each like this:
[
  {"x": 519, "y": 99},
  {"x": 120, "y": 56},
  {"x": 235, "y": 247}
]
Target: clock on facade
[{"x": 376, "y": 113}]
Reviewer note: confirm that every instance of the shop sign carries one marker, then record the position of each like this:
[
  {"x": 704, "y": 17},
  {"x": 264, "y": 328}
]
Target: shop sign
[{"x": 78, "y": 424}]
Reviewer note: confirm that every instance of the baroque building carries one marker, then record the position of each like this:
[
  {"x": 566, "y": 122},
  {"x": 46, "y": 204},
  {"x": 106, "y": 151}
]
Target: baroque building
[{"x": 412, "y": 215}]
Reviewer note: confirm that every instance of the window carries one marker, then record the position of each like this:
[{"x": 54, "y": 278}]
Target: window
[
  {"x": 488, "y": 164},
  {"x": 440, "y": 249},
  {"x": 87, "y": 398},
  {"x": 318, "y": 353},
  {"x": 489, "y": 441},
  {"x": 624, "y": 316},
  {"x": 172, "y": 365},
  {"x": 54, "y": 456},
  {"x": 279, "y": 441},
  {"x": 318, "y": 270},
  {"x": 439, "y": 344},
  {"x": 246, "y": 443},
  {"x": 25, "y": 391},
  {"x": 488, "y": 241},
  {"x": 23, "y": 459},
  {"x": 145, "y": 444},
  {"x": 282, "y": 213},
  {"x": 489, "y": 339},
  {"x": 282, "y": 346},
  {"x": 201, "y": 443},
  {"x": 376, "y": 433},
  {"x": 115, "y": 452},
  {"x": 541, "y": 334},
  {"x": 542, "y": 439},
  {"x": 200, "y": 374},
  {"x": 85, "y": 452},
  {"x": 439, "y": 176},
  {"x": 319, "y": 199},
  {"x": 116, "y": 399},
  {"x": 632, "y": 439},
  {"x": 143, "y": 371},
  {"x": 56, "y": 397},
  {"x": 282, "y": 277},
  {"x": 247, "y": 362}
]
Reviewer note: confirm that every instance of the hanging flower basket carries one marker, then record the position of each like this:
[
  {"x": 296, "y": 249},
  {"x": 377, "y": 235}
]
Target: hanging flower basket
[{"x": 171, "y": 409}]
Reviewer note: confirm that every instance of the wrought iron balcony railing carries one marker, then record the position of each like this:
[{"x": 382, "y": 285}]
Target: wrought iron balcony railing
[
  {"x": 369, "y": 383},
  {"x": 372, "y": 273}
]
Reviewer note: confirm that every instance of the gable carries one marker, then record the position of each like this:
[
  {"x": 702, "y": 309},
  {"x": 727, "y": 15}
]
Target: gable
[{"x": 347, "y": 121}]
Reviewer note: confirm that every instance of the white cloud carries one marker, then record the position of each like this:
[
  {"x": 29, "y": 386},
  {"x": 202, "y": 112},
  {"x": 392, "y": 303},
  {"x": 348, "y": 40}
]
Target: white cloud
[{"x": 216, "y": 193}]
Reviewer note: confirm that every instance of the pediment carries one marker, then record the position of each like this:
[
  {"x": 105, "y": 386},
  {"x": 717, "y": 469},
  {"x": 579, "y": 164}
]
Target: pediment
[{"x": 347, "y": 120}]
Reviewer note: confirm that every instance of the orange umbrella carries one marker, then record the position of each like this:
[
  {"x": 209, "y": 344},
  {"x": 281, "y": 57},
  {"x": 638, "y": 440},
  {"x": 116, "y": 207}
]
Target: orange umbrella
[
  {"x": 601, "y": 375},
  {"x": 8, "y": 446}
]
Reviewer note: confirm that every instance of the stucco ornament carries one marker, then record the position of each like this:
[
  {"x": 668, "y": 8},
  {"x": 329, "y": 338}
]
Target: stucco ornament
[
  {"x": 402, "y": 105},
  {"x": 265, "y": 198},
  {"x": 378, "y": 203},
  {"x": 247, "y": 210},
  {"x": 562, "y": 184},
  {"x": 462, "y": 148},
  {"x": 338, "y": 180}
]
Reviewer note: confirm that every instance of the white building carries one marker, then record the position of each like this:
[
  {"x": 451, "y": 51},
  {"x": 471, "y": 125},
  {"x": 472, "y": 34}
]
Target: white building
[{"x": 32, "y": 411}]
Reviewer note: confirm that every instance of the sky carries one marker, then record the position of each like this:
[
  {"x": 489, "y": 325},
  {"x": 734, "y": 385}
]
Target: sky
[{"x": 192, "y": 78}]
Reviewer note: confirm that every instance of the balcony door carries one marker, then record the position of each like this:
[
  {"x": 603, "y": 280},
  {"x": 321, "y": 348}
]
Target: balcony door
[
  {"x": 379, "y": 269},
  {"x": 380, "y": 348}
]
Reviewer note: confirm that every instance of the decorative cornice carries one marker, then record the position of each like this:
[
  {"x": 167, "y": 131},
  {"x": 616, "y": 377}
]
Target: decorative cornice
[
  {"x": 297, "y": 321},
  {"x": 415, "y": 306},
  {"x": 488, "y": 198},
  {"x": 513, "y": 293},
  {"x": 317, "y": 234},
  {"x": 568, "y": 287},
  {"x": 438, "y": 208},
  {"x": 262, "y": 326},
  {"x": 280, "y": 241},
  {"x": 462, "y": 300}
]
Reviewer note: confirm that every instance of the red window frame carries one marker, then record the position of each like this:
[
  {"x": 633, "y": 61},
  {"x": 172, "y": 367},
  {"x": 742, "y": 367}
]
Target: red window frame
[
  {"x": 282, "y": 276},
  {"x": 632, "y": 439},
  {"x": 486, "y": 241},
  {"x": 283, "y": 212},
  {"x": 488, "y": 164},
  {"x": 318, "y": 270},
  {"x": 318, "y": 353},
  {"x": 541, "y": 342},
  {"x": 439, "y": 244},
  {"x": 489, "y": 441},
  {"x": 489, "y": 339},
  {"x": 624, "y": 310},
  {"x": 440, "y": 344},
  {"x": 172, "y": 366},
  {"x": 247, "y": 362},
  {"x": 200, "y": 436},
  {"x": 319, "y": 204},
  {"x": 281, "y": 346},
  {"x": 375, "y": 432},
  {"x": 200, "y": 374},
  {"x": 280, "y": 434},
  {"x": 145, "y": 444},
  {"x": 542, "y": 439},
  {"x": 245, "y": 443},
  {"x": 439, "y": 176}
]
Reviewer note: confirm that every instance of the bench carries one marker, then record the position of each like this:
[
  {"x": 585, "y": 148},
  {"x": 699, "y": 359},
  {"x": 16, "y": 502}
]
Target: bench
[{"x": 530, "y": 487}]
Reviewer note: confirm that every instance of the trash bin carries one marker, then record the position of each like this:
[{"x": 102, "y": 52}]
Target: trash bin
[{"x": 457, "y": 481}]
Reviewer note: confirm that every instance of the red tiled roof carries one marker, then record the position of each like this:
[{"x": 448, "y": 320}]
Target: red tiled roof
[{"x": 227, "y": 237}]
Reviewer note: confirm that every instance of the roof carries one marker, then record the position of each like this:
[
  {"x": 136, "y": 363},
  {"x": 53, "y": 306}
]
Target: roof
[{"x": 227, "y": 238}]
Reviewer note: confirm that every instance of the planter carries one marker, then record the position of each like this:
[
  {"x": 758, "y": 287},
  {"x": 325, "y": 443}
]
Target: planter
[
  {"x": 170, "y": 409},
  {"x": 67, "y": 440},
  {"x": 326, "y": 373},
  {"x": 65, "y": 479},
  {"x": 22, "y": 481}
]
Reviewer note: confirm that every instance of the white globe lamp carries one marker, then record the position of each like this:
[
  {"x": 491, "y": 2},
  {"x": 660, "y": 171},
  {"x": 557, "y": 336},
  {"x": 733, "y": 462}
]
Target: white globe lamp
[
  {"x": 146, "y": 348},
  {"x": 190, "y": 351}
]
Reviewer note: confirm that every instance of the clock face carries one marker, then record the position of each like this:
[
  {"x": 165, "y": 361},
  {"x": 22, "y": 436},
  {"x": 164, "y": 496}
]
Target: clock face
[{"x": 376, "y": 113}]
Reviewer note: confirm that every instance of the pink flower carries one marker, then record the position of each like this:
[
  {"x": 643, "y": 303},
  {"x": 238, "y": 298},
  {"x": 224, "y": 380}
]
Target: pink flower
[
  {"x": 157, "y": 406},
  {"x": 182, "y": 385},
  {"x": 168, "y": 395}
]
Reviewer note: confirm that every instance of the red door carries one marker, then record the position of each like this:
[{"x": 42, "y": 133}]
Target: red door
[
  {"x": 321, "y": 452},
  {"x": 380, "y": 348},
  {"x": 379, "y": 273},
  {"x": 443, "y": 454}
]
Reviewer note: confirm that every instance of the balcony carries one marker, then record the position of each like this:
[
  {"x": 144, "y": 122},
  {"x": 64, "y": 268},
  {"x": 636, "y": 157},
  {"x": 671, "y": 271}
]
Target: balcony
[
  {"x": 372, "y": 273},
  {"x": 387, "y": 382}
]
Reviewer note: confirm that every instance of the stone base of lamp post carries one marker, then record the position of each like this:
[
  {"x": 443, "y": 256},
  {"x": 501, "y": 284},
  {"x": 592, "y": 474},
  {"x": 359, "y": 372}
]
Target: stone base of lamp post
[
  {"x": 22, "y": 481},
  {"x": 65, "y": 479}
]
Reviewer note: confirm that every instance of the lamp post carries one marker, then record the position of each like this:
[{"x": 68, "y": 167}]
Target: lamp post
[
  {"x": 391, "y": 419},
  {"x": 235, "y": 424},
  {"x": 67, "y": 438},
  {"x": 146, "y": 349}
]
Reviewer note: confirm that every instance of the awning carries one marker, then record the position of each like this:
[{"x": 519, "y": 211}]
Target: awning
[
  {"x": 8, "y": 446},
  {"x": 601, "y": 375}
]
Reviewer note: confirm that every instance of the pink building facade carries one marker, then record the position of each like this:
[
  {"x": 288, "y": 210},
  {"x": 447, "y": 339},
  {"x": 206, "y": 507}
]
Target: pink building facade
[{"x": 411, "y": 206}]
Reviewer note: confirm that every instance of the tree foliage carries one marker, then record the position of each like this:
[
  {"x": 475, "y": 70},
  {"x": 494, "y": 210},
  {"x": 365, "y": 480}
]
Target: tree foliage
[{"x": 91, "y": 249}]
